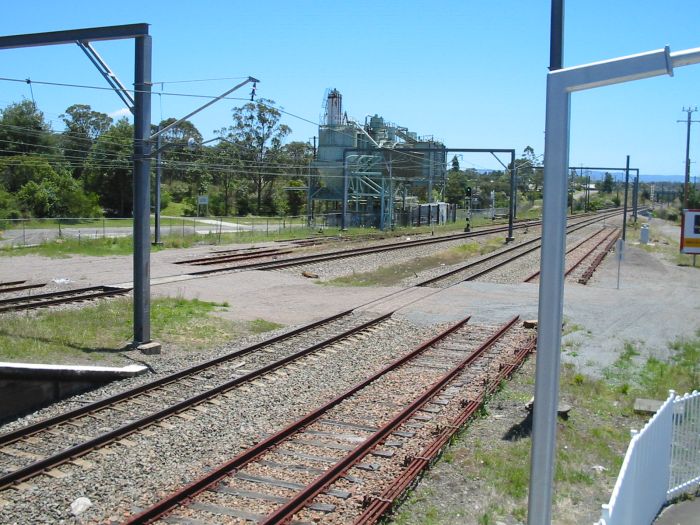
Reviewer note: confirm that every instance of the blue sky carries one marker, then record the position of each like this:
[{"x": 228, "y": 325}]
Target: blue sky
[{"x": 471, "y": 73}]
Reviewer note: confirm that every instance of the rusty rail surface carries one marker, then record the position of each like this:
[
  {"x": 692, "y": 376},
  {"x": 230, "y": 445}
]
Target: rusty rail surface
[
  {"x": 581, "y": 259},
  {"x": 377, "y": 506},
  {"x": 598, "y": 259},
  {"x": 87, "y": 446},
  {"x": 30, "y": 302},
  {"x": 305, "y": 495}
]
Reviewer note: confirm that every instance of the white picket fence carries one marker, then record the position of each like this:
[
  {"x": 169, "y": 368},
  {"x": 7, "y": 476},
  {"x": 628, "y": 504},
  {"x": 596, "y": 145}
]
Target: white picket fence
[{"x": 662, "y": 462}]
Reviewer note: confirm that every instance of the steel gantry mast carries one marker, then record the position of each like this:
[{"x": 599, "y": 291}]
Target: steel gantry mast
[{"x": 140, "y": 106}]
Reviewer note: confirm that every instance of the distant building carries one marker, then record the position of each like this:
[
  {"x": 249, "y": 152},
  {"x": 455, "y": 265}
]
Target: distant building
[{"x": 376, "y": 166}]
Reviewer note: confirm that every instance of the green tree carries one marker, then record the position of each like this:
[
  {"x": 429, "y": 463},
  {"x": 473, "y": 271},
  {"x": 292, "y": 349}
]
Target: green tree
[
  {"x": 9, "y": 208},
  {"x": 18, "y": 170},
  {"x": 608, "y": 183},
  {"x": 109, "y": 169},
  {"x": 23, "y": 130},
  {"x": 257, "y": 131},
  {"x": 58, "y": 195},
  {"x": 177, "y": 157},
  {"x": 530, "y": 178},
  {"x": 83, "y": 127},
  {"x": 456, "y": 187},
  {"x": 227, "y": 168},
  {"x": 299, "y": 156},
  {"x": 693, "y": 198},
  {"x": 296, "y": 199}
]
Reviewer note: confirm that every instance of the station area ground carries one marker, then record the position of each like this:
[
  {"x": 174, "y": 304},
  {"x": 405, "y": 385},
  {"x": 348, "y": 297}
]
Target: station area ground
[{"x": 657, "y": 302}]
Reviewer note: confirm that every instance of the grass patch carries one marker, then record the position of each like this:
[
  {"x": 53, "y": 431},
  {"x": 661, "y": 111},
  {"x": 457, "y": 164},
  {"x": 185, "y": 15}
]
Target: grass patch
[
  {"x": 669, "y": 247},
  {"x": 65, "y": 247},
  {"x": 680, "y": 373},
  {"x": 392, "y": 275},
  {"x": 174, "y": 209},
  {"x": 99, "y": 331},
  {"x": 176, "y": 233},
  {"x": 259, "y": 326}
]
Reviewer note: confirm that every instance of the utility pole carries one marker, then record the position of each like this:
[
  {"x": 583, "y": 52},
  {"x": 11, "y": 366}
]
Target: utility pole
[
  {"x": 314, "y": 146},
  {"x": 572, "y": 191},
  {"x": 635, "y": 197},
  {"x": 156, "y": 208},
  {"x": 624, "y": 213},
  {"x": 689, "y": 111},
  {"x": 588, "y": 192}
]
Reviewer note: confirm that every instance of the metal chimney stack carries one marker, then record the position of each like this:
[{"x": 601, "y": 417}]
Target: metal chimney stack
[{"x": 334, "y": 108}]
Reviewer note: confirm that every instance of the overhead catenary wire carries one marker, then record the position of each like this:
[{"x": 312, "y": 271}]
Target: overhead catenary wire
[
  {"x": 253, "y": 163},
  {"x": 134, "y": 91},
  {"x": 415, "y": 155}
]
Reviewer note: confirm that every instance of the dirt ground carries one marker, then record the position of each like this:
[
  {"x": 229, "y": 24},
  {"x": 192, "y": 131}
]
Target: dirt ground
[{"x": 657, "y": 302}]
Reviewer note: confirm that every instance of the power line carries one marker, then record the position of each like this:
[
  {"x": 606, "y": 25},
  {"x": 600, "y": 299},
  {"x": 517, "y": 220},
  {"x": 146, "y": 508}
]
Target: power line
[
  {"x": 197, "y": 80},
  {"x": 174, "y": 94}
]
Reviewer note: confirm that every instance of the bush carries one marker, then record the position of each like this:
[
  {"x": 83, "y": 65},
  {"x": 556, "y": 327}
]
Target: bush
[
  {"x": 58, "y": 196},
  {"x": 165, "y": 198},
  {"x": 9, "y": 208},
  {"x": 179, "y": 190}
]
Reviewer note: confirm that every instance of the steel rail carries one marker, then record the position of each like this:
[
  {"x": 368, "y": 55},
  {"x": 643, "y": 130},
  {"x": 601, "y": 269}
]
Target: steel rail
[
  {"x": 598, "y": 259},
  {"x": 4, "y": 288},
  {"x": 225, "y": 257},
  {"x": 615, "y": 232},
  {"x": 11, "y": 283},
  {"x": 442, "y": 276},
  {"x": 11, "y": 437},
  {"x": 377, "y": 506},
  {"x": 571, "y": 229},
  {"x": 192, "y": 489},
  {"x": 343, "y": 254},
  {"x": 169, "y": 503},
  {"x": 570, "y": 250},
  {"x": 125, "y": 430},
  {"x": 30, "y": 302},
  {"x": 313, "y": 489},
  {"x": 578, "y": 263},
  {"x": 55, "y": 294}
]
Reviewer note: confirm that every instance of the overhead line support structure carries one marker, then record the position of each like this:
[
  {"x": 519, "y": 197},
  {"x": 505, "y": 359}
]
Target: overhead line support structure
[
  {"x": 160, "y": 147},
  {"x": 635, "y": 192},
  {"x": 492, "y": 151},
  {"x": 560, "y": 84},
  {"x": 142, "y": 156}
]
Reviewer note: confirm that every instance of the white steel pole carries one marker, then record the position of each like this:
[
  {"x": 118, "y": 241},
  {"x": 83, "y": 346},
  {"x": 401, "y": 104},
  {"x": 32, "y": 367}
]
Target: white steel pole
[
  {"x": 551, "y": 298},
  {"x": 560, "y": 84}
]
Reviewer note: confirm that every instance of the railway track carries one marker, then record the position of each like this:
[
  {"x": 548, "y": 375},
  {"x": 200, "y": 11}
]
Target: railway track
[
  {"x": 489, "y": 263},
  {"x": 326, "y": 465},
  {"x": 49, "y": 443},
  {"x": 588, "y": 273},
  {"x": 601, "y": 239},
  {"x": 235, "y": 255},
  {"x": 31, "y": 302},
  {"x": 28, "y": 443},
  {"x": 344, "y": 254},
  {"x": 16, "y": 286},
  {"x": 356, "y": 252}
]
